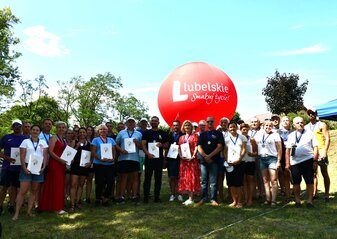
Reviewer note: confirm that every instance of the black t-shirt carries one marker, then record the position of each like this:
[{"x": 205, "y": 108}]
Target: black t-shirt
[
  {"x": 160, "y": 136},
  {"x": 209, "y": 140}
]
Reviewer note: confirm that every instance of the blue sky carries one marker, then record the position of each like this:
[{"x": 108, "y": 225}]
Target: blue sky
[{"x": 142, "y": 41}]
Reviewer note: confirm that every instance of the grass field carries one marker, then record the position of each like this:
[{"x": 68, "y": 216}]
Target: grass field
[{"x": 172, "y": 220}]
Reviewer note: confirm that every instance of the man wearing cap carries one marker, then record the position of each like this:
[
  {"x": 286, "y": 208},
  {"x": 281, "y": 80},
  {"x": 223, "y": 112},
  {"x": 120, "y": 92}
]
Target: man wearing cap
[
  {"x": 320, "y": 130},
  {"x": 301, "y": 158},
  {"x": 10, "y": 173},
  {"x": 128, "y": 142},
  {"x": 275, "y": 119},
  {"x": 154, "y": 141}
]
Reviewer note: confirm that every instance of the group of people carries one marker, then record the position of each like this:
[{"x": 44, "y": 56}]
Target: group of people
[{"x": 252, "y": 157}]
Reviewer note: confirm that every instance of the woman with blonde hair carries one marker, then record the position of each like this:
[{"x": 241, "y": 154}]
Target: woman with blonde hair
[{"x": 189, "y": 172}]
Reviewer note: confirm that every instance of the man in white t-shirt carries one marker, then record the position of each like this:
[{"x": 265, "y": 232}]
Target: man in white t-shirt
[{"x": 301, "y": 158}]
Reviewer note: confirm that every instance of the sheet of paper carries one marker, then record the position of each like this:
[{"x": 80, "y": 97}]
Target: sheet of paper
[
  {"x": 106, "y": 151},
  {"x": 68, "y": 154},
  {"x": 35, "y": 163},
  {"x": 173, "y": 151},
  {"x": 185, "y": 150},
  {"x": 129, "y": 145},
  {"x": 15, "y": 154},
  {"x": 85, "y": 157},
  {"x": 153, "y": 149}
]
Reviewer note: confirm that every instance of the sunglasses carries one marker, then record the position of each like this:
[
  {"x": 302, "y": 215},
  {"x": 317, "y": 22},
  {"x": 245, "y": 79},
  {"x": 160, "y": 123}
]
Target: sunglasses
[{"x": 210, "y": 121}]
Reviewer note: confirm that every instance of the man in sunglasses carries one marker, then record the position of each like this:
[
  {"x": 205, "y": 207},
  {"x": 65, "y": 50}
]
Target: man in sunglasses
[
  {"x": 320, "y": 129},
  {"x": 10, "y": 143},
  {"x": 210, "y": 144}
]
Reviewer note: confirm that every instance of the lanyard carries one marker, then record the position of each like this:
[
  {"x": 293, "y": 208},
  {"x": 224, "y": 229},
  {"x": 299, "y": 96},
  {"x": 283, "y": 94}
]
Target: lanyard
[
  {"x": 104, "y": 142},
  {"x": 130, "y": 135},
  {"x": 298, "y": 138},
  {"x": 236, "y": 140},
  {"x": 253, "y": 133},
  {"x": 263, "y": 139},
  {"x": 186, "y": 140},
  {"x": 47, "y": 140},
  {"x": 61, "y": 140},
  {"x": 285, "y": 134},
  {"x": 37, "y": 143}
]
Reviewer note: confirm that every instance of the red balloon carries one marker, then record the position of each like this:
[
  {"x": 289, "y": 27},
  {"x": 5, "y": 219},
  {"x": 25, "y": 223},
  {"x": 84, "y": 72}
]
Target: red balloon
[{"x": 195, "y": 91}]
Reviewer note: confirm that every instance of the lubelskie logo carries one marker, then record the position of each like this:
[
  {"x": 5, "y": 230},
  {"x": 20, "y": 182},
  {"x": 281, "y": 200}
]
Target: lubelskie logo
[{"x": 209, "y": 92}]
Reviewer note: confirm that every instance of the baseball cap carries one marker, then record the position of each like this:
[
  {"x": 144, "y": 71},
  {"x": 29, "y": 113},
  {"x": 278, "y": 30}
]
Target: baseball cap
[
  {"x": 17, "y": 121},
  {"x": 130, "y": 118},
  {"x": 195, "y": 124},
  {"x": 274, "y": 116},
  {"x": 143, "y": 119}
]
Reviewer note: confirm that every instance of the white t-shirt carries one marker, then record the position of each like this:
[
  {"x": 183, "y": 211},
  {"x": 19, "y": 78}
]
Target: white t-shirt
[
  {"x": 267, "y": 143},
  {"x": 33, "y": 148},
  {"x": 305, "y": 143},
  {"x": 234, "y": 146},
  {"x": 249, "y": 149}
]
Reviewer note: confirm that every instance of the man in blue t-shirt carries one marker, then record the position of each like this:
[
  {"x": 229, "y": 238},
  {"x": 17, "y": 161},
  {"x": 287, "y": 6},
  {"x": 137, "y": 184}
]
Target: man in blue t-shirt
[
  {"x": 10, "y": 173},
  {"x": 210, "y": 144}
]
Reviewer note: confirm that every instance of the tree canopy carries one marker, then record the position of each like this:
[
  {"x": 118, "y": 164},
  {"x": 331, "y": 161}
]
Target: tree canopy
[
  {"x": 9, "y": 73},
  {"x": 283, "y": 94}
]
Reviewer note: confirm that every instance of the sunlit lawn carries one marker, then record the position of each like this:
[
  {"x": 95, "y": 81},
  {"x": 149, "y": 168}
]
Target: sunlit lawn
[{"x": 172, "y": 220}]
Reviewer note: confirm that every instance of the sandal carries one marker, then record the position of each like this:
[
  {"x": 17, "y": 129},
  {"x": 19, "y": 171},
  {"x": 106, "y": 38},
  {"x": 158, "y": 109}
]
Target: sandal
[
  {"x": 72, "y": 209},
  {"x": 273, "y": 204},
  {"x": 266, "y": 203}
]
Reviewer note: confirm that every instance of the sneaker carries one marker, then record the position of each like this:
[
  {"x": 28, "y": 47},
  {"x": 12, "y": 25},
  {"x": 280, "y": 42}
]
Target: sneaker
[
  {"x": 180, "y": 198},
  {"x": 310, "y": 205},
  {"x": 214, "y": 203},
  {"x": 121, "y": 200},
  {"x": 61, "y": 212},
  {"x": 298, "y": 205},
  {"x": 172, "y": 198},
  {"x": 188, "y": 202}
]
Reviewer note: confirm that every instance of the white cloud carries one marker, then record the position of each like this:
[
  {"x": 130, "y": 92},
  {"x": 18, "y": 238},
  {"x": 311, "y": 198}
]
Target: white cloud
[
  {"x": 43, "y": 43},
  {"x": 318, "y": 48}
]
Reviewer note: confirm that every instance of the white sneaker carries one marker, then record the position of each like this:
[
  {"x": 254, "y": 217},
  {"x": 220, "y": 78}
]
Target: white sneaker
[
  {"x": 180, "y": 198},
  {"x": 61, "y": 212},
  {"x": 188, "y": 202},
  {"x": 172, "y": 198}
]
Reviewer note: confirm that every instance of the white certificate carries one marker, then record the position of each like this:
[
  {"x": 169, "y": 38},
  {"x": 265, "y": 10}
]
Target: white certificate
[
  {"x": 68, "y": 154},
  {"x": 173, "y": 151},
  {"x": 129, "y": 145},
  {"x": 35, "y": 163},
  {"x": 85, "y": 157},
  {"x": 15, "y": 154},
  {"x": 232, "y": 156},
  {"x": 106, "y": 151},
  {"x": 185, "y": 150},
  {"x": 153, "y": 149}
]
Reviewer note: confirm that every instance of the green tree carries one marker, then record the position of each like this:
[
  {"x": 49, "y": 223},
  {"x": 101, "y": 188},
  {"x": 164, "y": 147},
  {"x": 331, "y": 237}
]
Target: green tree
[
  {"x": 96, "y": 98},
  {"x": 8, "y": 71},
  {"x": 236, "y": 117},
  {"x": 283, "y": 94},
  {"x": 131, "y": 106}
]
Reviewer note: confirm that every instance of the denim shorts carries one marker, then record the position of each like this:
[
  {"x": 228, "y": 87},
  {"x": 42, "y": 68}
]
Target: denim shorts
[
  {"x": 269, "y": 162},
  {"x": 31, "y": 177}
]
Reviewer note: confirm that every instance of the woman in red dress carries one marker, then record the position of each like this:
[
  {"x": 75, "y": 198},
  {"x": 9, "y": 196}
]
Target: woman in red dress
[
  {"x": 52, "y": 197},
  {"x": 189, "y": 173}
]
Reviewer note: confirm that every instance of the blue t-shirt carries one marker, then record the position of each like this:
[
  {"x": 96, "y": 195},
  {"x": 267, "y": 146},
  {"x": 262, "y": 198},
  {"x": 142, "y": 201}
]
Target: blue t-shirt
[
  {"x": 97, "y": 142},
  {"x": 125, "y": 134},
  {"x": 45, "y": 137},
  {"x": 7, "y": 142}
]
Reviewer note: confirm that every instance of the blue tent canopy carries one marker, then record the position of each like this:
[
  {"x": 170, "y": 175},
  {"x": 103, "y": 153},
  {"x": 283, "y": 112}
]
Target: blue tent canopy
[{"x": 328, "y": 110}]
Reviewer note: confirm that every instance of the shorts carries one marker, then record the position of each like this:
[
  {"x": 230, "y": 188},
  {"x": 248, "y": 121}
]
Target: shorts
[
  {"x": 76, "y": 169},
  {"x": 10, "y": 178},
  {"x": 127, "y": 166},
  {"x": 31, "y": 177},
  {"x": 305, "y": 170},
  {"x": 173, "y": 168},
  {"x": 250, "y": 168},
  {"x": 141, "y": 164},
  {"x": 235, "y": 178},
  {"x": 269, "y": 162}
]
